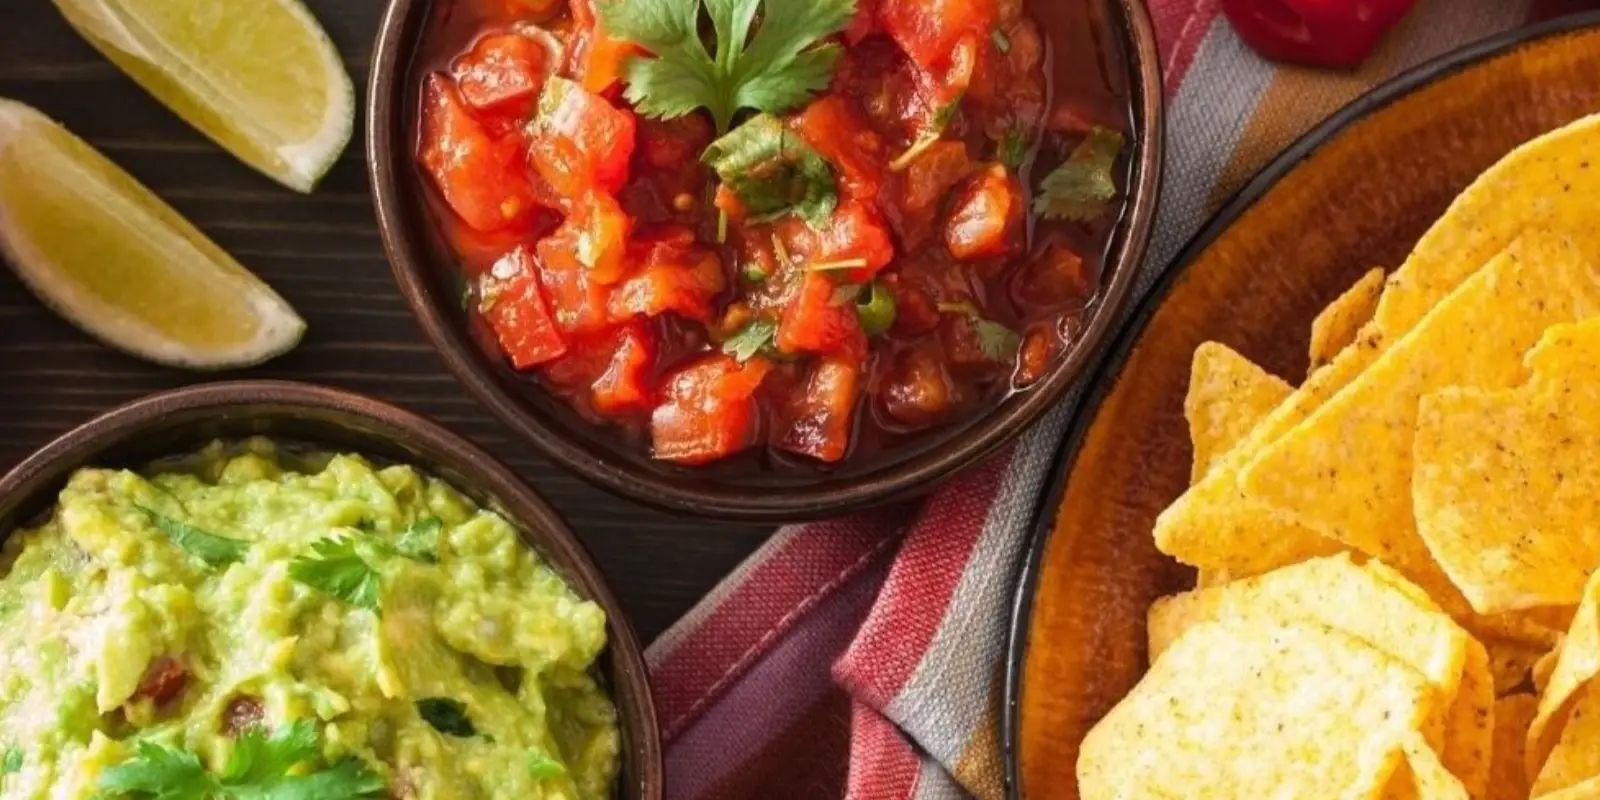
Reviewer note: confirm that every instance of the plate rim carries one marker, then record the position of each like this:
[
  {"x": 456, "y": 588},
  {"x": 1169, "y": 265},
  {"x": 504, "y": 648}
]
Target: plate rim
[{"x": 1102, "y": 375}]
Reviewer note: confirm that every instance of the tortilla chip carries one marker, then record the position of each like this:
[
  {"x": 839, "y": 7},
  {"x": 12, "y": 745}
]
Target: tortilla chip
[
  {"x": 1587, "y": 790},
  {"x": 1210, "y": 527},
  {"x": 1338, "y": 325},
  {"x": 1517, "y": 193},
  {"x": 1244, "y": 709},
  {"x": 1211, "y": 578},
  {"x": 1334, "y": 592},
  {"x": 1511, "y": 663},
  {"x": 1576, "y": 756},
  {"x": 1546, "y": 666},
  {"x": 1469, "y": 724},
  {"x": 1422, "y": 776},
  {"x": 1576, "y": 665},
  {"x": 1345, "y": 472},
  {"x": 1228, "y": 395},
  {"x": 1508, "y": 778}
]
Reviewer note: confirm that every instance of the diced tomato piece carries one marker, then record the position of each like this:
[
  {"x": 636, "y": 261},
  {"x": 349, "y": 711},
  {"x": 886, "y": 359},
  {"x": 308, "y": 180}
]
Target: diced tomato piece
[
  {"x": 835, "y": 128},
  {"x": 625, "y": 386},
  {"x": 582, "y": 143},
  {"x": 986, "y": 220},
  {"x": 928, "y": 30},
  {"x": 602, "y": 231},
  {"x": 514, "y": 306},
  {"x": 915, "y": 311},
  {"x": 481, "y": 178},
  {"x": 503, "y": 73},
  {"x": 575, "y": 298},
  {"x": 926, "y": 182},
  {"x": 865, "y": 23},
  {"x": 821, "y": 319},
  {"x": 479, "y": 250},
  {"x": 918, "y": 391},
  {"x": 672, "y": 274},
  {"x": 588, "y": 357},
  {"x": 243, "y": 712},
  {"x": 855, "y": 232},
  {"x": 1056, "y": 277},
  {"x": 1040, "y": 346},
  {"x": 708, "y": 410},
  {"x": 819, "y": 419},
  {"x": 163, "y": 680},
  {"x": 596, "y": 55}
]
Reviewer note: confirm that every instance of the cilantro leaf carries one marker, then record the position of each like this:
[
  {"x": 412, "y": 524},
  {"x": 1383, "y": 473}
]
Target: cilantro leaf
[
  {"x": 217, "y": 551},
  {"x": 258, "y": 769},
  {"x": 1001, "y": 41},
  {"x": 773, "y": 171},
  {"x": 542, "y": 766},
  {"x": 420, "y": 540},
  {"x": 998, "y": 343},
  {"x": 751, "y": 340},
  {"x": 1081, "y": 187},
  {"x": 336, "y": 568},
  {"x": 447, "y": 716},
  {"x": 777, "y": 67},
  {"x": 1014, "y": 147},
  {"x": 12, "y": 761}
]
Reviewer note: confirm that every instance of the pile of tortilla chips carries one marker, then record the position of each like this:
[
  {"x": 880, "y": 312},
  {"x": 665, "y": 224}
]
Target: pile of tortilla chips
[{"x": 1397, "y": 559}]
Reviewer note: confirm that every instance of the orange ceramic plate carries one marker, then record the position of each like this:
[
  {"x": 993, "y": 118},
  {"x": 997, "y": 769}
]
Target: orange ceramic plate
[{"x": 1078, "y": 636}]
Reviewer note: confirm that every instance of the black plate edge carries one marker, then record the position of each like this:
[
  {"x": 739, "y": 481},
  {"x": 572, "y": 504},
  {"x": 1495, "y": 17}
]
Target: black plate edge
[{"x": 1104, "y": 374}]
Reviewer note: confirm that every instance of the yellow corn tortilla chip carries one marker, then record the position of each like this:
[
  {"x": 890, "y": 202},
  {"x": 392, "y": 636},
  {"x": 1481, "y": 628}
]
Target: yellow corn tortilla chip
[
  {"x": 1243, "y": 709},
  {"x": 1338, "y": 325},
  {"x": 1511, "y": 663},
  {"x": 1508, "y": 778},
  {"x": 1576, "y": 664},
  {"x": 1546, "y": 666},
  {"x": 1211, "y": 578},
  {"x": 1210, "y": 527},
  {"x": 1469, "y": 724},
  {"x": 1576, "y": 756},
  {"x": 1519, "y": 192},
  {"x": 1587, "y": 790},
  {"x": 1345, "y": 472},
  {"x": 1422, "y": 776},
  {"x": 1502, "y": 498},
  {"x": 1535, "y": 628},
  {"x": 1228, "y": 395}
]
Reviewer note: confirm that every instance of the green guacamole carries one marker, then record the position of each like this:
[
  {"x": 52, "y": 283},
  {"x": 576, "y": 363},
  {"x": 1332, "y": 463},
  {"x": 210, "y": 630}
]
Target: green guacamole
[{"x": 220, "y": 606}]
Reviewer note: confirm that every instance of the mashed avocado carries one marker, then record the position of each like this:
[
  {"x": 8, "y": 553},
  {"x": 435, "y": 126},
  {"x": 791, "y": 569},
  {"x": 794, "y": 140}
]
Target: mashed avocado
[{"x": 249, "y": 623}]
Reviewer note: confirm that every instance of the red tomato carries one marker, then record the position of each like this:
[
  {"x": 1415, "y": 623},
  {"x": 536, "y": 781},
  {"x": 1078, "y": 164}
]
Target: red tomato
[
  {"x": 514, "y": 306},
  {"x": 1055, "y": 277},
  {"x": 582, "y": 143},
  {"x": 819, "y": 419},
  {"x": 855, "y": 232},
  {"x": 918, "y": 390},
  {"x": 835, "y": 127},
  {"x": 625, "y": 386},
  {"x": 821, "y": 319},
  {"x": 575, "y": 298},
  {"x": 163, "y": 680},
  {"x": 926, "y": 182},
  {"x": 708, "y": 409},
  {"x": 503, "y": 74},
  {"x": 596, "y": 55},
  {"x": 1319, "y": 33},
  {"x": 928, "y": 30},
  {"x": 986, "y": 220},
  {"x": 481, "y": 178},
  {"x": 673, "y": 275},
  {"x": 865, "y": 23},
  {"x": 588, "y": 357},
  {"x": 598, "y": 232}
]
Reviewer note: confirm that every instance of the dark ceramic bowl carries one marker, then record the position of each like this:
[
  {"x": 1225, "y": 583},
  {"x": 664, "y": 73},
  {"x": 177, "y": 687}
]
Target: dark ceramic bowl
[
  {"x": 421, "y": 264},
  {"x": 181, "y": 421}
]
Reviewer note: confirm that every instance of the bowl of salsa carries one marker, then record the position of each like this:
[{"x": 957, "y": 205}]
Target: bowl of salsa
[{"x": 765, "y": 259}]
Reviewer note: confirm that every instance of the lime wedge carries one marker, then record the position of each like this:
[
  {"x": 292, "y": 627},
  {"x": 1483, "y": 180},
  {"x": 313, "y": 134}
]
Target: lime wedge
[
  {"x": 260, "y": 77},
  {"x": 111, "y": 257}
]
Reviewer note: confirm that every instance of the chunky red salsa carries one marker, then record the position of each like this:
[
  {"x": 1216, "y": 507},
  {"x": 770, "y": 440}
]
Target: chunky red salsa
[{"x": 803, "y": 227}]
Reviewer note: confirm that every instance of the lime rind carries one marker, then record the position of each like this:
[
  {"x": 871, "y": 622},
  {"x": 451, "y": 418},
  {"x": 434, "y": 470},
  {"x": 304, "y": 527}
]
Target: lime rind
[{"x": 111, "y": 198}]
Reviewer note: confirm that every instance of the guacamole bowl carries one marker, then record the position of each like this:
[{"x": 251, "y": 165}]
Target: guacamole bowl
[{"x": 373, "y": 441}]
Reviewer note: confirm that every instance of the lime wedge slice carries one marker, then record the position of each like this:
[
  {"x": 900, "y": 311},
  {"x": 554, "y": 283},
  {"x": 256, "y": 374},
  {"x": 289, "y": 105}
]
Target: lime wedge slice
[
  {"x": 260, "y": 77},
  {"x": 111, "y": 257}
]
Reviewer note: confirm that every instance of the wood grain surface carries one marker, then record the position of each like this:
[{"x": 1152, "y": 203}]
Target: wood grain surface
[{"x": 321, "y": 252}]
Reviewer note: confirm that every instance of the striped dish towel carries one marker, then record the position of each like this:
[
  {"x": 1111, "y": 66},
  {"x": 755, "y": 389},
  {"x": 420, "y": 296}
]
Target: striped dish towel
[{"x": 862, "y": 657}]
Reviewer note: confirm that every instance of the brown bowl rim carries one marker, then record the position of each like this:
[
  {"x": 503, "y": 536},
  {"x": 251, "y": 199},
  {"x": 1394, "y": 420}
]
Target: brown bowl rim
[
  {"x": 536, "y": 520},
  {"x": 1109, "y": 369},
  {"x": 909, "y": 476}
]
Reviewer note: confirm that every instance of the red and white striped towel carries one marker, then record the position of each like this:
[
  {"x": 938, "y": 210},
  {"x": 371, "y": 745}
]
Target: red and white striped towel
[{"x": 862, "y": 657}]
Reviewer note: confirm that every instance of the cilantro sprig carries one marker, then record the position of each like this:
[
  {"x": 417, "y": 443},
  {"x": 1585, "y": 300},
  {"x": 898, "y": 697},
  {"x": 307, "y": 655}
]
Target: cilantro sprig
[
  {"x": 420, "y": 540},
  {"x": 998, "y": 343},
  {"x": 216, "y": 551},
  {"x": 259, "y": 767},
  {"x": 336, "y": 567},
  {"x": 774, "y": 68},
  {"x": 773, "y": 171},
  {"x": 1083, "y": 185},
  {"x": 751, "y": 339}
]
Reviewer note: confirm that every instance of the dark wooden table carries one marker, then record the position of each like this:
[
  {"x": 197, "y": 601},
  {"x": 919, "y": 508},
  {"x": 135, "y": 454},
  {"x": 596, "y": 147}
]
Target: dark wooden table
[{"x": 322, "y": 253}]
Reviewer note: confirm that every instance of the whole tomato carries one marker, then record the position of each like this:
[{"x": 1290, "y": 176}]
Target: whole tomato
[{"x": 1318, "y": 33}]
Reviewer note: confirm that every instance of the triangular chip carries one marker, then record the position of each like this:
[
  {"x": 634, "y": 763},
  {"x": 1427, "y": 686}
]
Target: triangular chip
[
  {"x": 1469, "y": 723},
  {"x": 1337, "y": 326},
  {"x": 1548, "y": 182},
  {"x": 1423, "y": 776},
  {"x": 1508, "y": 778},
  {"x": 1511, "y": 663},
  {"x": 1504, "y": 500},
  {"x": 1587, "y": 790},
  {"x": 1243, "y": 709},
  {"x": 1576, "y": 665},
  {"x": 1576, "y": 756},
  {"x": 1228, "y": 395},
  {"x": 1345, "y": 472}
]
